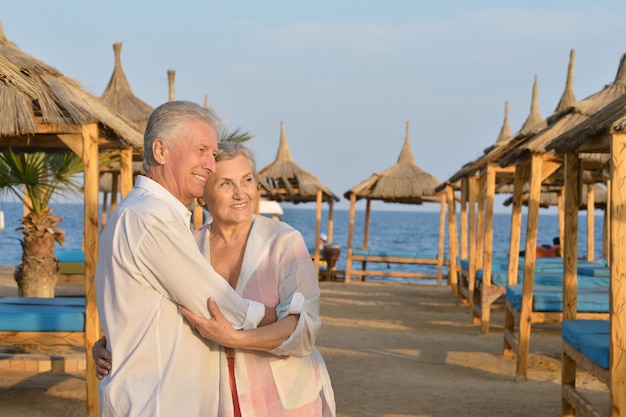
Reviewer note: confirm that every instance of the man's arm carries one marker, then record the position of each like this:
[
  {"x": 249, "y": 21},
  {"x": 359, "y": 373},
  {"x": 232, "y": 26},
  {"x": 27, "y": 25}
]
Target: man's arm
[{"x": 172, "y": 263}]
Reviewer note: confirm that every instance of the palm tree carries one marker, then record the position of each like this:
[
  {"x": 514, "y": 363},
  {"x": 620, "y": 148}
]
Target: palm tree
[
  {"x": 34, "y": 178},
  {"x": 225, "y": 134}
]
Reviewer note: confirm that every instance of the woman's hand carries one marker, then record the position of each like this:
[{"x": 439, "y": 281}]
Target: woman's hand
[
  {"x": 217, "y": 328},
  {"x": 102, "y": 357}
]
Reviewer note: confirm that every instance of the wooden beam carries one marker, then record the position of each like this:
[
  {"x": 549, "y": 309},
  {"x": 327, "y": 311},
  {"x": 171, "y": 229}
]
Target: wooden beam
[
  {"x": 350, "y": 237},
  {"x": 453, "y": 243},
  {"x": 617, "y": 301},
  {"x": 534, "y": 195},
  {"x": 570, "y": 234},
  {"x": 92, "y": 322},
  {"x": 126, "y": 171}
]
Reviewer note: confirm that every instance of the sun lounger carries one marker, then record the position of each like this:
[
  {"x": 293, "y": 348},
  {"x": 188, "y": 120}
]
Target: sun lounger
[
  {"x": 42, "y": 321},
  {"x": 71, "y": 267},
  {"x": 397, "y": 257},
  {"x": 548, "y": 271},
  {"x": 586, "y": 347},
  {"x": 547, "y": 307}
]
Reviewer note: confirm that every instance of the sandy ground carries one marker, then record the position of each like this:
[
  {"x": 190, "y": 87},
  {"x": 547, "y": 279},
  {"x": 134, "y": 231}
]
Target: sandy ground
[{"x": 393, "y": 350}]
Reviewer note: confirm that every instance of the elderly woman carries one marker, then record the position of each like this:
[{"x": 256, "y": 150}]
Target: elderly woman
[{"x": 278, "y": 372}]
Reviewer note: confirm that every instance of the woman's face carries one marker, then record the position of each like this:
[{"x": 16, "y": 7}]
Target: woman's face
[{"x": 230, "y": 192}]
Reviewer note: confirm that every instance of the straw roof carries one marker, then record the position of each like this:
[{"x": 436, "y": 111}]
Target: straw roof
[
  {"x": 548, "y": 197},
  {"x": 404, "y": 182},
  {"x": 569, "y": 113},
  {"x": 284, "y": 180},
  {"x": 39, "y": 103},
  {"x": 119, "y": 96},
  {"x": 533, "y": 124},
  {"x": 610, "y": 119}
]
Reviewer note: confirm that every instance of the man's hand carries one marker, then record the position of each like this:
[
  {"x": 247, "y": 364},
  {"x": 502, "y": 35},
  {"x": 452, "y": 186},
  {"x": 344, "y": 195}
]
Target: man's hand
[{"x": 102, "y": 357}]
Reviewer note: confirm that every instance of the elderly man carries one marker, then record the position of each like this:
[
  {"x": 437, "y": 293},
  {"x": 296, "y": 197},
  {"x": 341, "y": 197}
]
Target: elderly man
[{"x": 149, "y": 263}]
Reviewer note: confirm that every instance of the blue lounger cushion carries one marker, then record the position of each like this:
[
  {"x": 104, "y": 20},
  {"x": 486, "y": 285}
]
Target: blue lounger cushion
[
  {"x": 42, "y": 314},
  {"x": 71, "y": 262},
  {"x": 550, "y": 299},
  {"x": 72, "y": 256},
  {"x": 547, "y": 278},
  {"x": 594, "y": 271},
  {"x": 589, "y": 337}
]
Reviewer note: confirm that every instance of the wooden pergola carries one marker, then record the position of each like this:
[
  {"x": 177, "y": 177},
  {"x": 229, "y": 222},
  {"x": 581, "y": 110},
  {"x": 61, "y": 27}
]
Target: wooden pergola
[
  {"x": 285, "y": 180},
  {"x": 404, "y": 183},
  {"x": 45, "y": 111},
  {"x": 536, "y": 165},
  {"x": 479, "y": 181},
  {"x": 602, "y": 133}
]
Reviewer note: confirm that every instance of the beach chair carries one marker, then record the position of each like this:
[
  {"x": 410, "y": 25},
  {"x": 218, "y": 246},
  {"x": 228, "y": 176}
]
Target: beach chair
[
  {"x": 541, "y": 303},
  {"x": 71, "y": 267},
  {"x": 396, "y": 257},
  {"x": 585, "y": 347},
  {"x": 56, "y": 321}
]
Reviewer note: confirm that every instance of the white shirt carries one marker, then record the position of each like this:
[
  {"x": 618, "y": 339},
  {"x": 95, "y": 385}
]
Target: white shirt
[
  {"x": 147, "y": 264},
  {"x": 292, "y": 380}
]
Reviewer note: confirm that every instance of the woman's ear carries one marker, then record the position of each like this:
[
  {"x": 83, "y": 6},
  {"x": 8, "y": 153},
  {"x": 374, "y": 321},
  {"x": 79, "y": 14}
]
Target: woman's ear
[
  {"x": 160, "y": 151},
  {"x": 201, "y": 202}
]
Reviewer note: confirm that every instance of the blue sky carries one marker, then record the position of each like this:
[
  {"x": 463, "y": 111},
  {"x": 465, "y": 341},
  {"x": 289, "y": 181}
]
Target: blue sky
[{"x": 345, "y": 75}]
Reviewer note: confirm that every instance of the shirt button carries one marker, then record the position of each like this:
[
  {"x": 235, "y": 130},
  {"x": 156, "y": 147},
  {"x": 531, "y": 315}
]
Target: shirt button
[{"x": 242, "y": 396}]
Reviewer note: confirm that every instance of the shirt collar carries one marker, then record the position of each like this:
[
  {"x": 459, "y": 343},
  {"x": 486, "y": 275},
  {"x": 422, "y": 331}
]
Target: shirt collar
[{"x": 161, "y": 193}]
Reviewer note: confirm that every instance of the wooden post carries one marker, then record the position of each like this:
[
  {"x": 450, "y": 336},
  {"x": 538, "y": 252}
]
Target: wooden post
[
  {"x": 534, "y": 195},
  {"x": 366, "y": 232},
  {"x": 521, "y": 177},
  {"x": 591, "y": 203},
  {"x": 126, "y": 171},
  {"x": 561, "y": 216},
  {"x": 453, "y": 243},
  {"x": 490, "y": 191},
  {"x": 480, "y": 228},
  {"x": 464, "y": 229},
  {"x": 348, "y": 278},
  {"x": 331, "y": 221},
  {"x": 318, "y": 230},
  {"x": 606, "y": 253},
  {"x": 366, "y": 226},
  {"x": 472, "y": 242},
  {"x": 570, "y": 245},
  {"x": 617, "y": 301},
  {"x": 442, "y": 233},
  {"x": 91, "y": 233}
]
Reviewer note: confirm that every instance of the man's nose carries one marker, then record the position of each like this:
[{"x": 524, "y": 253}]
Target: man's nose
[{"x": 209, "y": 163}]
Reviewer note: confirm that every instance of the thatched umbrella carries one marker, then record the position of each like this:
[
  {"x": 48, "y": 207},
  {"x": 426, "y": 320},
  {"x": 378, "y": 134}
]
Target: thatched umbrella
[
  {"x": 570, "y": 112},
  {"x": 118, "y": 95},
  {"x": 285, "y": 180},
  {"x": 404, "y": 182},
  {"x": 43, "y": 110}
]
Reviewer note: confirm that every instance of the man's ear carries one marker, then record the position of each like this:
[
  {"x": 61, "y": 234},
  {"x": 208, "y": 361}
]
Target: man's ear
[{"x": 160, "y": 151}]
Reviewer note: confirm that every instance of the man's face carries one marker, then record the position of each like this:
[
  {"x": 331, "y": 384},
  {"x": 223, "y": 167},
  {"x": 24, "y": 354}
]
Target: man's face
[{"x": 190, "y": 161}]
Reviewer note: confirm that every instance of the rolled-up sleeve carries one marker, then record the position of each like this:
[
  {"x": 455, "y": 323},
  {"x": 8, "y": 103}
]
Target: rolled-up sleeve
[{"x": 299, "y": 277}]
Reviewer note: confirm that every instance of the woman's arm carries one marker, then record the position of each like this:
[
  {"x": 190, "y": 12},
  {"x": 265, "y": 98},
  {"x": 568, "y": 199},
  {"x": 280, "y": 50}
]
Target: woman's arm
[{"x": 218, "y": 330}]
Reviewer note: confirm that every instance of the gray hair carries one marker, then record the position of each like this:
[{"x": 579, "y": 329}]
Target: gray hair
[
  {"x": 165, "y": 121},
  {"x": 227, "y": 151}
]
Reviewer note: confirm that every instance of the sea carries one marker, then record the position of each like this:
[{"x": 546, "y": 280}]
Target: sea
[{"x": 416, "y": 231}]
